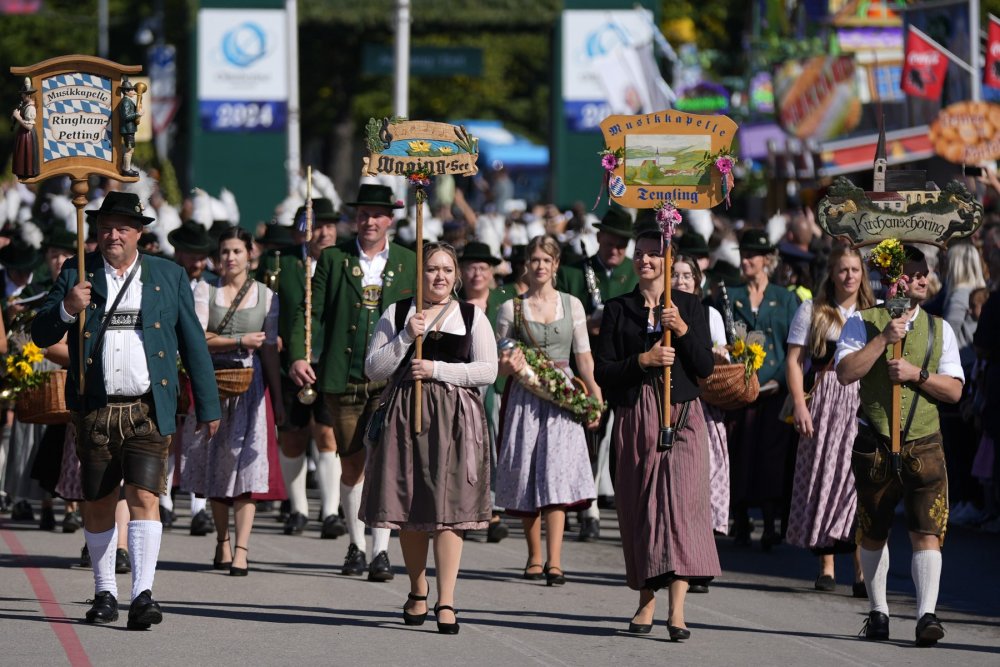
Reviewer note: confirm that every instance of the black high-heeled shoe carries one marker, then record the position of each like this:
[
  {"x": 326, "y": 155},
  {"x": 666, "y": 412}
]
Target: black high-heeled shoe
[
  {"x": 446, "y": 628},
  {"x": 414, "y": 619},
  {"x": 217, "y": 563},
  {"x": 553, "y": 579},
  {"x": 678, "y": 634},
  {"x": 533, "y": 576},
  {"x": 240, "y": 571}
]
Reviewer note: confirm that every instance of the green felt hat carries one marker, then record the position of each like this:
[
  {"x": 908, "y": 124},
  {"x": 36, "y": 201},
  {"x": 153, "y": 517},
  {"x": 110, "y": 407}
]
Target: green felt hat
[
  {"x": 191, "y": 237},
  {"x": 474, "y": 251},
  {"x": 371, "y": 194},
  {"x": 125, "y": 204},
  {"x": 616, "y": 221}
]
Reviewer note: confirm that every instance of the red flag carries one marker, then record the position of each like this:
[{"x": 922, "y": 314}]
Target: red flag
[
  {"x": 991, "y": 72},
  {"x": 924, "y": 66}
]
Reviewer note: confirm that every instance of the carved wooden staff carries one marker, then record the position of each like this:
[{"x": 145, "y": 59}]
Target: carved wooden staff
[
  {"x": 666, "y": 440},
  {"x": 307, "y": 395},
  {"x": 894, "y": 425},
  {"x": 420, "y": 196},
  {"x": 79, "y": 188}
]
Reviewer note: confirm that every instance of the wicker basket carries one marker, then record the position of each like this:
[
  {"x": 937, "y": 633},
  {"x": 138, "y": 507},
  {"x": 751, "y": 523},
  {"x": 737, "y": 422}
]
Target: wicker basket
[
  {"x": 233, "y": 381},
  {"x": 726, "y": 388},
  {"x": 45, "y": 404}
]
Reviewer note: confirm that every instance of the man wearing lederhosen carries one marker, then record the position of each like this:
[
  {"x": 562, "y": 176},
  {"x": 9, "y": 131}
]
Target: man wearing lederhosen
[
  {"x": 930, "y": 372},
  {"x": 354, "y": 283},
  {"x": 126, "y": 417}
]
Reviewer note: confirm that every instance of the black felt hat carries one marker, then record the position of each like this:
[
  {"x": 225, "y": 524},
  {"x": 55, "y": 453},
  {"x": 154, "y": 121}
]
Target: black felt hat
[
  {"x": 755, "y": 241},
  {"x": 277, "y": 235},
  {"x": 724, "y": 272},
  {"x": 646, "y": 224},
  {"x": 20, "y": 256},
  {"x": 474, "y": 251},
  {"x": 616, "y": 221},
  {"x": 217, "y": 229},
  {"x": 125, "y": 204},
  {"x": 191, "y": 237},
  {"x": 61, "y": 238},
  {"x": 692, "y": 244},
  {"x": 323, "y": 210},
  {"x": 125, "y": 86},
  {"x": 793, "y": 253},
  {"x": 371, "y": 194}
]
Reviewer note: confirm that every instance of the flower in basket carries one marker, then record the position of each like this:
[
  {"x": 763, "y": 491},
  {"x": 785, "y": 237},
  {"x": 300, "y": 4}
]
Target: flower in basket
[
  {"x": 748, "y": 349},
  {"x": 888, "y": 258},
  {"x": 19, "y": 366},
  {"x": 544, "y": 379}
]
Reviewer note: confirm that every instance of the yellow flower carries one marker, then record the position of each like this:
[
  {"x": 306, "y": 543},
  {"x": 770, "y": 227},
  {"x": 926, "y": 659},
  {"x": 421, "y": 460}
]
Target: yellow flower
[
  {"x": 739, "y": 347},
  {"x": 11, "y": 364},
  {"x": 33, "y": 353},
  {"x": 758, "y": 355},
  {"x": 446, "y": 150},
  {"x": 420, "y": 146},
  {"x": 22, "y": 369}
]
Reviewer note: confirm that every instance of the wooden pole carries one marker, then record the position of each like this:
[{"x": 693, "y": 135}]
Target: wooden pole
[
  {"x": 80, "y": 187},
  {"x": 894, "y": 425},
  {"x": 667, "y": 270},
  {"x": 418, "y": 353},
  {"x": 309, "y": 233}
]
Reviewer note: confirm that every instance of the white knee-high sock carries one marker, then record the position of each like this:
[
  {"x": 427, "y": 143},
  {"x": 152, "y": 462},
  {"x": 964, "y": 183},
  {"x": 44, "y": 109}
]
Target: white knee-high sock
[
  {"x": 875, "y": 565},
  {"x": 143, "y": 549},
  {"x": 198, "y": 504},
  {"x": 293, "y": 469},
  {"x": 926, "y": 570},
  {"x": 350, "y": 498},
  {"x": 380, "y": 540},
  {"x": 328, "y": 471},
  {"x": 167, "y": 500},
  {"x": 102, "y": 548}
]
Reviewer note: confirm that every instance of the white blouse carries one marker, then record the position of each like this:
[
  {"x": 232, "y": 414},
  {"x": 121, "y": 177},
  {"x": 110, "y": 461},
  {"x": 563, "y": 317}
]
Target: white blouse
[{"x": 388, "y": 347}]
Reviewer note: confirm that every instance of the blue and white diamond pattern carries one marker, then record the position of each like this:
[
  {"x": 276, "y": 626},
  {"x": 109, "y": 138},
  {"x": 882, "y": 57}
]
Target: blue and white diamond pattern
[{"x": 54, "y": 150}]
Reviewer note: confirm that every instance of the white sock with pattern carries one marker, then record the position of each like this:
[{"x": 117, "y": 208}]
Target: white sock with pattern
[
  {"x": 350, "y": 498},
  {"x": 328, "y": 470},
  {"x": 875, "y": 565},
  {"x": 926, "y": 570},
  {"x": 103, "y": 548},
  {"x": 293, "y": 469},
  {"x": 198, "y": 504},
  {"x": 143, "y": 549},
  {"x": 380, "y": 540}
]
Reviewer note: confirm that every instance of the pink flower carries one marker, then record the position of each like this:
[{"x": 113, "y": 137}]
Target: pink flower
[
  {"x": 724, "y": 164},
  {"x": 609, "y": 162}
]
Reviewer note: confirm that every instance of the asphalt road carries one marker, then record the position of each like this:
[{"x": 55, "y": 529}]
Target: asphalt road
[{"x": 296, "y": 609}]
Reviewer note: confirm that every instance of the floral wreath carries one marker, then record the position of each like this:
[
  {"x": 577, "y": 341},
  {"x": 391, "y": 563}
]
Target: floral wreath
[
  {"x": 888, "y": 258},
  {"x": 724, "y": 162},
  {"x": 419, "y": 178}
]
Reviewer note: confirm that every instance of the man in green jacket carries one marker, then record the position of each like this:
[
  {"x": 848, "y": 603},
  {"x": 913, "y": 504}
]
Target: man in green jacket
[
  {"x": 354, "y": 283},
  {"x": 125, "y": 416},
  {"x": 929, "y": 372},
  {"x": 286, "y": 268}
]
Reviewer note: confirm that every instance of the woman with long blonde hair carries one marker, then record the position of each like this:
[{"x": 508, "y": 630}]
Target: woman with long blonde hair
[{"x": 823, "y": 496}]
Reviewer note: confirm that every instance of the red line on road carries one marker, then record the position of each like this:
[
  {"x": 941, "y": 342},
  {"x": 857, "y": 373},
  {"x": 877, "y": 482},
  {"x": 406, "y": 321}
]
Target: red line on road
[{"x": 63, "y": 630}]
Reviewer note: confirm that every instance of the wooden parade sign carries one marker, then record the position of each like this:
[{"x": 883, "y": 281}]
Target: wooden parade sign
[
  {"x": 668, "y": 156},
  {"x": 915, "y": 216},
  {"x": 400, "y": 147},
  {"x": 77, "y": 128},
  {"x": 967, "y": 132}
]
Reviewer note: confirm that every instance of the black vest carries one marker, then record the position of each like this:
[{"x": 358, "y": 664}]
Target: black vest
[{"x": 444, "y": 347}]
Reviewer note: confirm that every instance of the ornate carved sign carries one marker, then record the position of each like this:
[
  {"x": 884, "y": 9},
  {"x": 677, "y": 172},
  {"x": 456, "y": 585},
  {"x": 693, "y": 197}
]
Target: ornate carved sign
[
  {"x": 668, "y": 156},
  {"x": 76, "y": 130},
  {"x": 401, "y": 147},
  {"x": 926, "y": 216},
  {"x": 967, "y": 132}
]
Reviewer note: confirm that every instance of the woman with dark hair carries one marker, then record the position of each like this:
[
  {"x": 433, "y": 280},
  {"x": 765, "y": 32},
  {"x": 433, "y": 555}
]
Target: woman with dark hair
[
  {"x": 240, "y": 318},
  {"x": 762, "y": 448},
  {"x": 543, "y": 465},
  {"x": 662, "y": 497},
  {"x": 435, "y": 482},
  {"x": 823, "y": 495}
]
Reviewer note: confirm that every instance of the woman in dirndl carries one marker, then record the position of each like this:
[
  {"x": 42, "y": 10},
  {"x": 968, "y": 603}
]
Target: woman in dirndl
[
  {"x": 435, "y": 482},
  {"x": 240, "y": 318},
  {"x": 543, "y": 467},
  {"x": 662, "y": 497},
  {"x": 823, "y": 494}
]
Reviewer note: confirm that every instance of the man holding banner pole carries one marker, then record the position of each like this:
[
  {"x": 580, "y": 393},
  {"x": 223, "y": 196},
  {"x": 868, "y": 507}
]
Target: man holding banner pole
[{"x": 926, "y": 372}]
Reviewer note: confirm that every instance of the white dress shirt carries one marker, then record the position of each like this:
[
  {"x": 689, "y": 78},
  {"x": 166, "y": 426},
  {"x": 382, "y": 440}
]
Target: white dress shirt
[{"x": 372, "y": 267}]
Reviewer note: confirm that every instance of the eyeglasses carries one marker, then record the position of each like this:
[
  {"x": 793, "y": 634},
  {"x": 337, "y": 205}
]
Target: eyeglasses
[{"x": 684, "y": 276}]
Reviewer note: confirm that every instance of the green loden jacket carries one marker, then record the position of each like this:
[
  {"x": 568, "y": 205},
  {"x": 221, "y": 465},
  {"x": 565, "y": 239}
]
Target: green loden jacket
[
  {"x": 571, "y": 279},
  {"x": 337, "y": 303},
  {"x": 169, "y": 325}
]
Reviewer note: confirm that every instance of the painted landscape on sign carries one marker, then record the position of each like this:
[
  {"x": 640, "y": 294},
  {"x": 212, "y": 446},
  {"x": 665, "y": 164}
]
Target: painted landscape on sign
[{"x": 667, "y": 159}]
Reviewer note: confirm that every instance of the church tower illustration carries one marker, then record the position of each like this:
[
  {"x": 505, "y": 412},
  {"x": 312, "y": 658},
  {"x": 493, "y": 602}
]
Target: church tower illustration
[{"x": 878, "y": 179}]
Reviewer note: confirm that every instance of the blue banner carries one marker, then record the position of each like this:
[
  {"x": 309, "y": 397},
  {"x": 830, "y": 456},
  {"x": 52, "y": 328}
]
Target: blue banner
[
  {"x": 243, "y": 116},
  {"x": 585, "y": 115}
]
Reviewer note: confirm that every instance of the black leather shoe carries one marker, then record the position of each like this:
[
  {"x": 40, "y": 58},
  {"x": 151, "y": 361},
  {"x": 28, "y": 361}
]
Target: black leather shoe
[
  {"x": 85, "y": 556},
  {"x": 554, "y": 576},
  {"x": 825, "y": 583},
  {"x": 876, "y": 626},
  {"x": 590, "y": 531},
  {"x": 144, "y": 612},
  {"x": 533, "y": 576},
  {"x": 166, "y": 517},
  {"x": 355, "y": 563},
  {"x": 71, "y": 522},
  {"x": 858, "y": 590},
  {"x": 929, "y": 630},
  {"x": 414, "y": 619},
  {"x": 284, "y": 510},
  {"x": 48, "y": 520},
  {"x": 122, "y": 564},
  {"x": 240, "y": 571},
  {"x": 699, "y": 585},
  {"x": 446, "y": 628},
  {"x": 380, "y": 569},
  {"x": 202, "y": 524},
  {"x": 769, "y": 540},
  {"x": 678, "y": 634},
  {"x": 296, "y": 523},
  {"x": 22, "y": 511},
  {"x": 606, "y": 502},
  {"x": 497, "y": 531},
  {"x": 640, "y": 628},
  {"x": 333, "y": 527},
  {"x": 104, "y": 608}
]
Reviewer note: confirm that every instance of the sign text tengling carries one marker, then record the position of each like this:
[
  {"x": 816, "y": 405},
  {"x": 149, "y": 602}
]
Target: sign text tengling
[{"x": 400, "y": 147}]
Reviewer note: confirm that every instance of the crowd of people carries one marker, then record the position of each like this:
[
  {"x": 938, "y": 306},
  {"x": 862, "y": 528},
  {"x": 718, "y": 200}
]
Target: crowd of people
[{"x": 211, "y": 374}]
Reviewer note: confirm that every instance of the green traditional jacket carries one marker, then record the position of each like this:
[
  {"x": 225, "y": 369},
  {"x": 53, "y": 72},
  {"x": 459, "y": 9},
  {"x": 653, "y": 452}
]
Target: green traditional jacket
[
  {"x": 291, "y": 291},
  {"x": 169, "y": 325},
  {"x": 337, "y": 301},
  {"x": 128, "y": 114},
  {"x": 876, "y": 389},
  {"x": 572, "y": 279},
  {"x": 773, "y": 318}
]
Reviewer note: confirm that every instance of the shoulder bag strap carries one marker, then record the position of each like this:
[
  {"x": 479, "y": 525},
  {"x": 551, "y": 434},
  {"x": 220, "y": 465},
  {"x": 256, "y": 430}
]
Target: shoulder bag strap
[
  {"x": 235, "y": 304},
  {"x": 114, "y": 306},
  {"x": 931, "y": 326}
]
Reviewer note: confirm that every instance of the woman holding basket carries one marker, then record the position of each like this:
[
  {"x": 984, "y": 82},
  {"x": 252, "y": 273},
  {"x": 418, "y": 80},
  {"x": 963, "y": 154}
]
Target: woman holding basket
[{"x": 240, "y": 318}]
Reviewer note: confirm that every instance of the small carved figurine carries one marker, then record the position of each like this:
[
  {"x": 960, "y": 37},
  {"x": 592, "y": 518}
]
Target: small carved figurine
[
  {"x": 25, "y": 138},
  {"x": 128, "y": 118}
]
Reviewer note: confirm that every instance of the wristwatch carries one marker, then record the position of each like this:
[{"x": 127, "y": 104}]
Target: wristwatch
[{"x": 923, "y": 376}]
